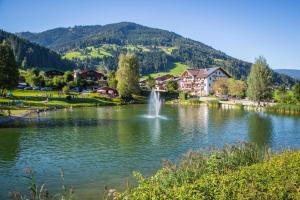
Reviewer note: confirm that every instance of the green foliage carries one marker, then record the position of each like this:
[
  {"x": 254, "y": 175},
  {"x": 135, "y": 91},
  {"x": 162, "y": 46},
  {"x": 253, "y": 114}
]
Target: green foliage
[
  {"x": 66, "y": 90},
  {"x": 236, "y": 172},
  {"x": 172, "y": 85},
  {"x": 68, "y": 76},
  {"x": 236, "y": 88},
  {"x": 128, "y": 76},
  {"x": 220, "y": 86},
  {"x": 150, "y": 82},
  {"x": 284, "y": 96},
  {"x": 9, "y": 73},
  {"x": 33, "y": 77},
  {"x": 112, "y": 81},
  {"x": 259, "y": 81},
  {"x": 182, "y": 96},
  {"x": 29, "y": 54},
  {"x": 296, "y": 91},
  {"x": 58, "y": 82}
]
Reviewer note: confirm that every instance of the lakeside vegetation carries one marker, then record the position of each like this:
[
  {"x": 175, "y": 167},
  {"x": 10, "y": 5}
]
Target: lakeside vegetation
[
  {"x": 235, "y": 172},
  {"x": 21, "y": 102}
]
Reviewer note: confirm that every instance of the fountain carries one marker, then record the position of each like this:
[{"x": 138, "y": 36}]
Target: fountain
[{"x": 154, "y": 104}]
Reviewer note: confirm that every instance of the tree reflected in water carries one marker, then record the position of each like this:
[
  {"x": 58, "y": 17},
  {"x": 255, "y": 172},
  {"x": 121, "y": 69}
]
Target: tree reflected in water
[{"x": 260, "y": 129}]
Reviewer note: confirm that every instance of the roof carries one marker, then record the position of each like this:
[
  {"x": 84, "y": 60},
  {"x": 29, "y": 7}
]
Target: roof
[
  {"x": 203, "y": 73},
  {"x": 164, "y": 77},
  {"x": 107, "y": 88},
  {"x": 89, "y": 70},
  {"x": 54, "y": 71}
]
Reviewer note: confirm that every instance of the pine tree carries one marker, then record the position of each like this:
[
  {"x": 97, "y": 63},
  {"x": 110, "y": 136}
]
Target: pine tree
[
  {"x": 9, "y": 74},
  {"x": 259, "y": 81}
]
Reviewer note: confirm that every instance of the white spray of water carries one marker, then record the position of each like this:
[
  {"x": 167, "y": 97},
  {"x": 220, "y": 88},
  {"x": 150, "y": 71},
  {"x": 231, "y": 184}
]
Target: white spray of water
[{"x": 154, "y": 104}]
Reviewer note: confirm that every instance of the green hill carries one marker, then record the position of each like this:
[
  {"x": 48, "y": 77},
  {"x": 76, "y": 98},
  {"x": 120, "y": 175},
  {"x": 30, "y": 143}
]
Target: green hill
[
  {"x": 295, "y": 73},
  {"x": 29, "y": 55},
  {"x": 99, "y": 46}
]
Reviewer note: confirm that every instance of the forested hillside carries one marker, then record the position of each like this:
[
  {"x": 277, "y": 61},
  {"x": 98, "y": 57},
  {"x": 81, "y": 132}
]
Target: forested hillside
[
  {"x": 158, "y": 50},
  {"x": 94, "y": 46},
  {"x": 295, "y": 73},
  {"x": 29, "y": 55}
]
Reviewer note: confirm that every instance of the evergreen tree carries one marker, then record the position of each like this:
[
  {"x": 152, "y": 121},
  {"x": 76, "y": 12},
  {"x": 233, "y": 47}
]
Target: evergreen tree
[
  {"x": 259, "y": 81},
  {"x": 296, "y": 91},
  {"x": 9, "y": 74},
  {"x": 128, "y": 75}
]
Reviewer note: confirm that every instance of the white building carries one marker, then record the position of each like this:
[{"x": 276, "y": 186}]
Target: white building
[{"x": 199, "y": 82}]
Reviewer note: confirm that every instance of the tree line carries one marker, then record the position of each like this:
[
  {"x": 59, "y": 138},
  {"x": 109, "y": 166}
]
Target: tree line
[{"x": 259, "y": 86}]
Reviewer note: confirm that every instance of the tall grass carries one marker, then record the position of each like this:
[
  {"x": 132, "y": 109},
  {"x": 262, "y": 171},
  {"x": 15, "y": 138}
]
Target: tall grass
[{"x": 284, "y": 109}]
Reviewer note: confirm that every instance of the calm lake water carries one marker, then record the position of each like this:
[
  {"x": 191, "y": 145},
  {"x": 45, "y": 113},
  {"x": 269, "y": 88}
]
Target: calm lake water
[{"x": 98, "y": 147}]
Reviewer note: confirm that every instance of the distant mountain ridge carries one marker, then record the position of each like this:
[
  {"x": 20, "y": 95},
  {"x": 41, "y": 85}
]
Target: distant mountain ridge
[
  {"x": 295, "y": 73},
  {"x": 99, "y": 46}
]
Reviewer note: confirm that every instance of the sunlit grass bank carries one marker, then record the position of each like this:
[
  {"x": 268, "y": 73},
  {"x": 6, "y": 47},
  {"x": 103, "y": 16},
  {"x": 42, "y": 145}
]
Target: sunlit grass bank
[{"x": 22, "y": 102}]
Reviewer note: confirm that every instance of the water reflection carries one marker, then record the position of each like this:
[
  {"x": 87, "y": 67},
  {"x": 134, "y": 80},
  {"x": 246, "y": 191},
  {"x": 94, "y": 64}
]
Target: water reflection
[
  {"x": 154, "y": 130},
  {"x": 102, "y": 146},
  {"x": 260, "y": 129},
  {"x": 9, "y": 145},
  {"x": 193, "y": 118}
]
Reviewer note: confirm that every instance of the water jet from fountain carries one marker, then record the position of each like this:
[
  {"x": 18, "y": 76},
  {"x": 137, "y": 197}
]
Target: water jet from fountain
[{"x": 154, "y": 104}]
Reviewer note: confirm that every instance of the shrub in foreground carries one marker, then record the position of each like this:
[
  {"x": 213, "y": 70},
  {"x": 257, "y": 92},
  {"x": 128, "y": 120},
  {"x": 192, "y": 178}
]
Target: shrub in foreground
[{"x": 237, "y": 172}]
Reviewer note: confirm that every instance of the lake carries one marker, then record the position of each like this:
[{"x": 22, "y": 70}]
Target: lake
[{"x": 98, "y": 147}]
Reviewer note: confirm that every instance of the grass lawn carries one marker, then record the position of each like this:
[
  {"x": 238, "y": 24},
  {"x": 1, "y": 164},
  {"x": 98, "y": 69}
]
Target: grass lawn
[
  {"x": 177, "y": 69},
  {"x": 24, "y": 101}
]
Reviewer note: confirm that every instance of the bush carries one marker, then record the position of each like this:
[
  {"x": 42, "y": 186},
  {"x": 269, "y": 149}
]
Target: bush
[
  {"x": 236, "y": 172},
  {"x": 182, "y": 96},
  {"x": 66, "y": 90}
]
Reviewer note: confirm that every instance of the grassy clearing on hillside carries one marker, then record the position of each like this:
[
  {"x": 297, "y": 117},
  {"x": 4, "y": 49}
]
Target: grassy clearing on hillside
[
  {"x": 106, "y": 50},
  {"x": 177, "y": 70},
  {"x": 167, "y": 50},
  {"x": 88, "y": 52},
  {"x": 235, "y": 172}
]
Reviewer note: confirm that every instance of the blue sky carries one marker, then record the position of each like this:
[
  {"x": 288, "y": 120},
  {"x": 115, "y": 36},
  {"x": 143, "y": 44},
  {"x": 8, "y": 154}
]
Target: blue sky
[{"x": 240, "y": 28}]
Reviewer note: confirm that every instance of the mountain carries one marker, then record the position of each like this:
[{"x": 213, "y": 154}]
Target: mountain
[
  {"x": 158, "y": 50},
  {"x": 29, "y": 55},
  {"x": 295, "y": 73}
]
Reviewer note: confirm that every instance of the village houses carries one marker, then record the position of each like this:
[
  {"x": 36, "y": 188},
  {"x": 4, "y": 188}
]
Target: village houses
[{"x": 199, "y": 82}]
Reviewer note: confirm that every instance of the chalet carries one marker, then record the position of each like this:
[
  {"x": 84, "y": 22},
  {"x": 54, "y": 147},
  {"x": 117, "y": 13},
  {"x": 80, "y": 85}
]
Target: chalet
[
  {"x": 51, "y": 73},
  {"x": 199, "y": 82},
  {"x": 108, "y": 91},
  {"x": 89, "y": 75},
  {"x": 161, "y": 81}
]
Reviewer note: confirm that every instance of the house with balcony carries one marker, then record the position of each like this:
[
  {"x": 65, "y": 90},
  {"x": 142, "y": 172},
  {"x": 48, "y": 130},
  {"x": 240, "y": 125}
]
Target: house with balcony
[
  {"x": 199, "y": 82},
  {"x": 91, "y": 76}
]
